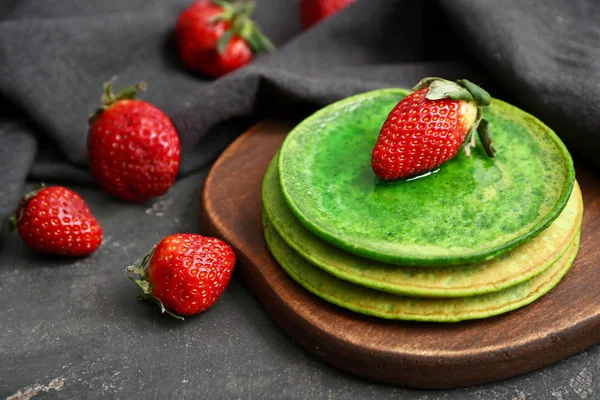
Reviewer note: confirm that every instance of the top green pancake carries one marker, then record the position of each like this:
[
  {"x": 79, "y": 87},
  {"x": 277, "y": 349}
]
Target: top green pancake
[{"x": 470, "y": 210}]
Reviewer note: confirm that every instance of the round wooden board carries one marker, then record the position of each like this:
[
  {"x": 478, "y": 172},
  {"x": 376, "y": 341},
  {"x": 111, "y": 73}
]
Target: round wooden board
[{"x": 422, "y": 355}]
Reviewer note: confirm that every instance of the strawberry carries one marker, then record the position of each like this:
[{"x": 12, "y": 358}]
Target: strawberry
[
  {"x": 216, "y": 37},
  {"x": 133, "y": 148},
  {"x": 313, "y": 11},
  {"x": 428, "y": 127},
  {"x": 185, "y": 274},
  {"x": 55, "y": 220}
]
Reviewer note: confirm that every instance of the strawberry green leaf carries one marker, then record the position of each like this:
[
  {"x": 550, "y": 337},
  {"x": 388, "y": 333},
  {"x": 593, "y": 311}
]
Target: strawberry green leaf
[
  {"x": 130, "y": 92},
  {"x": 143, "y": 284},
  {"x": 169, "y": 312},
  {"x": 426, "y": 82},
  {"x": 485, "y": 137},
  {"x": 11, "y": 224},
  {"x": 441, "y": 89},
  {"x": 108, "y": 97},
  {"x": 227, "y": 14},
  {"x": 265, "y": 43},
  {"x": 34, "y": 191},
  {"x": 160, "y": 305},
  {"x": 245, "y": 9},
  {"x": 138, "y": 271},
  {"x": 481, "y": 96},
  {"x": 222, "y": 3},
  {"x": 224, "y": 41},
  {"x": 219, "y": 17},
  {"x": 140, "y": 277},
  {"x": 146, "y": 260},
  {"x": 239, "y": 17},
  {"x": 250, "y": 32},
  {"x": 107, "y": 92},
  {"x": 254, "y": 44},
  {"x": 13, "y": 221}
]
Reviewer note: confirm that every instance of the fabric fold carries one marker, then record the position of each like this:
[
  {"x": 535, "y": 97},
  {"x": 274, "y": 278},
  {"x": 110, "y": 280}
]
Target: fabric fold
[{"x": 54, "y": 58}]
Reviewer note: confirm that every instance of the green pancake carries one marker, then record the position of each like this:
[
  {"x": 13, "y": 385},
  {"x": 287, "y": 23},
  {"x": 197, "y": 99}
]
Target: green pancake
[
  {"x": 471, "y": 210},
  {"x": 509, "y": 269},
  {"x": 389, "y": 306}
]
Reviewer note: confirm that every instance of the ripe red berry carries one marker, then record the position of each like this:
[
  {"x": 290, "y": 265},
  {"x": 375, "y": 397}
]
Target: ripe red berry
[
  {"x": 55, "y": 220},
  {"x": 313, "y": 11},
  {"x": 133, "y": 148},
  {"x": 215, "y": 37},
  {"x": 185, "y": 274},
  {"x": 429, "y": 126}
]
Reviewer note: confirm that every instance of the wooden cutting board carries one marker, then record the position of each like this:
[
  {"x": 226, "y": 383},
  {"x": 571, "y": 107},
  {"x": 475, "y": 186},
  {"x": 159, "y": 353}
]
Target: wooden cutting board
[{"x": 422, "y": 355}]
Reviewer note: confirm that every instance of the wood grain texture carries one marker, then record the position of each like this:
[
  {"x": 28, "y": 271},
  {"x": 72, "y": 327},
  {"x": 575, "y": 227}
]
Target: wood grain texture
[{"x": 422, "y": 355}]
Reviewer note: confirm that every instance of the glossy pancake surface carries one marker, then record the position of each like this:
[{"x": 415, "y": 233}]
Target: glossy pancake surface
[
  {"x": 471, "y": 210},
  {"x": 385, "y": 305},
  {"x": 507, "y": 270}
]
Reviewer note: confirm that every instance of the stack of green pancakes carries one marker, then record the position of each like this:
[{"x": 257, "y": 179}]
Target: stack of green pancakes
[{"x": 476, "y": 238}]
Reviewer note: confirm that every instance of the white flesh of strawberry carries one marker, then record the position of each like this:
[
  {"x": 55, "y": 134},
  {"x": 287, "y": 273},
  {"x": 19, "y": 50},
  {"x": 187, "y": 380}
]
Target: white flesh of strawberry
[{"x": 468, "y": 113}]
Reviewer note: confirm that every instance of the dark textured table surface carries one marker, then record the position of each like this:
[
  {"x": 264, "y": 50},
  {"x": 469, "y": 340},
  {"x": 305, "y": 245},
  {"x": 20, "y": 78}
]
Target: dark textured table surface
[{"x": 73, "y": 329}]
